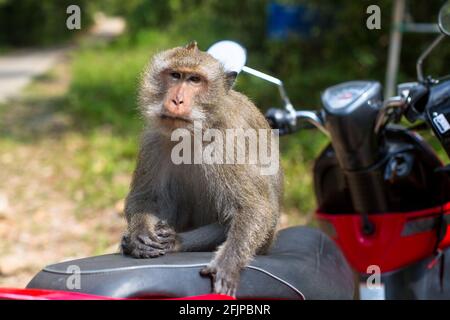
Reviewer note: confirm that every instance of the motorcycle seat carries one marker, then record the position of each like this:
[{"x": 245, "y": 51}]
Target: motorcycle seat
[{"x": 303, "y": 263}]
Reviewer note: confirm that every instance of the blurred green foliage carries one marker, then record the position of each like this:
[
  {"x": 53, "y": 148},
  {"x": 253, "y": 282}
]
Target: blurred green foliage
[
  {"x": 31, "y": 22},
  {"x": 105, "y": 77},
  {"x": 340, "y": 48}
]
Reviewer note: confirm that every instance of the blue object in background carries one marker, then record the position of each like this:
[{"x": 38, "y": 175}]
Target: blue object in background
[{"x": 285, "y": 20}]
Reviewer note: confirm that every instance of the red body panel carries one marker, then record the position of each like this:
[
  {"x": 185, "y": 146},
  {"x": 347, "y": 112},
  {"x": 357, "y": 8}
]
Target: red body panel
[
  {"x": 38, "y": 294},
  {"x": 387, "y": 247}
]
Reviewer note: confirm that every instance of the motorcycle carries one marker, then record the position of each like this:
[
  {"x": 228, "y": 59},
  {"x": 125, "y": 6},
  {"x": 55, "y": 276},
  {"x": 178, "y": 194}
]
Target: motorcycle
[
  {"x": 382, "y": 191},
  {"x": 382, "y": 195}
]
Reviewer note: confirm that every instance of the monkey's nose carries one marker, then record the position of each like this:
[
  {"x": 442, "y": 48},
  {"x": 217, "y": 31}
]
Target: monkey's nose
[
  {"x": 177, "y": 101},
  {"x": 177, "y": 106}
]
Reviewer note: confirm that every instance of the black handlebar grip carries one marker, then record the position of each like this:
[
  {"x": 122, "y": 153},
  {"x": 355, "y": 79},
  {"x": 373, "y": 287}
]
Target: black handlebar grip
[
  {"x": 416, "y": 102},
  {"x": 279, "y": 119}
]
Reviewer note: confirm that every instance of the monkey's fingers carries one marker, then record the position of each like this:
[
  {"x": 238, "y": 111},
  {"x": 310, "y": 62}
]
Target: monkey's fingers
[
  {"x": 139, "y": 250},
  {"x": 165, "y": 233},
  {"x": 149, "y": 242},
  {"x": 225, "y": 285},
  {"x": 125, "y": 245},
  {"x": 222, "y": 282},
  {"x": 162, "y": 224},
  {"x": 208, "y": 271},
  {"x": 226, "y": 282},
  {"x": 144, "y": 251},
  {"x": 167, "y": 241},
  {"x": 157, "y": 241},
  {"x": 162, "y": 229}
]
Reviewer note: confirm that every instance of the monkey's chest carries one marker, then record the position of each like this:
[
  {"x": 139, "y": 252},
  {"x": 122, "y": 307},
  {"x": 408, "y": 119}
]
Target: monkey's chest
[{"x": 194, "y": 202}]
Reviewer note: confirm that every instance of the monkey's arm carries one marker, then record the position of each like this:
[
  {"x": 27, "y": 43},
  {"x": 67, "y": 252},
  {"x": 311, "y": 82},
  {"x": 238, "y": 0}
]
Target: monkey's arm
[
  {"x": 205, "y": 238},
  {"x": 148, "y": 234},
  {"x": 251, "y": 228}
]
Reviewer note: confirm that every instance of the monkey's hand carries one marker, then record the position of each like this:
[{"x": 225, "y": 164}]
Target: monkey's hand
[
  {"x": 150, "y": 244},
  {"x": 225, "y": 278}
]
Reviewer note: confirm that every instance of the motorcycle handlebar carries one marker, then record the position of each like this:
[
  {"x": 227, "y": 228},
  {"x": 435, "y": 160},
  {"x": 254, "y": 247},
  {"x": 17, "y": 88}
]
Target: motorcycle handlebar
[
  {"x": 280, "y": 119},
  {"x": 410, "y": 104},
  {"x": 283, "y": 120}
]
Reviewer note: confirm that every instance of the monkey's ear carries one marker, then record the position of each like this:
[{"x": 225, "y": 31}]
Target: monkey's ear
[
  {"x": 230, "y": 77},
  {"x": 192, "y": 45}
]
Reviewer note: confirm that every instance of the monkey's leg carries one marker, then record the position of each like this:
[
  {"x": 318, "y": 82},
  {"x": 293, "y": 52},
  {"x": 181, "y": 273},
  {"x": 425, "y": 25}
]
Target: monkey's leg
[
  {"x": 205, "y": 238},
  {"x": 248, "y": 232}
]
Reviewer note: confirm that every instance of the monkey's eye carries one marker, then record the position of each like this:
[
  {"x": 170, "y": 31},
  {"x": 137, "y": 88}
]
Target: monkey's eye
[
  {"x": 175, "y": 75},
  {"x": 195, "y": 79}
]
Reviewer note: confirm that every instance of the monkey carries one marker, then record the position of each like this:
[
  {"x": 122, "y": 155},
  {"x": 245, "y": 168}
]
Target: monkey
[{"x": 228, "y": 208}]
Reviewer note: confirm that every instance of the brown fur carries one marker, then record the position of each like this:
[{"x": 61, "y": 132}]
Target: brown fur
[{"x": 168, "y": 201}]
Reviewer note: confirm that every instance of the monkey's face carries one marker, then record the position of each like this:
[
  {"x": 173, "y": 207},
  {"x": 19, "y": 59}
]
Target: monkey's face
[
  {"x": 181, "y": 104},
  {"x": 180, "y": 86}
]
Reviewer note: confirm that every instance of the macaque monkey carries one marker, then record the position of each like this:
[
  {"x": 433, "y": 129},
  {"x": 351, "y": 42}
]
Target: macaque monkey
[{"x": 198, "y": 207}]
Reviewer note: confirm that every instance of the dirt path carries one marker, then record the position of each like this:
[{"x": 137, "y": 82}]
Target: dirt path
[
  {"x": 17, "y": 69},
  {"x": 40, "y": 221}
]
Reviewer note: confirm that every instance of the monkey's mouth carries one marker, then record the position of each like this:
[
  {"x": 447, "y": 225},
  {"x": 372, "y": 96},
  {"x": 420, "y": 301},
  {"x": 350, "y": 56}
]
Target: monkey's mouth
[{"x": 174, "y": 119}]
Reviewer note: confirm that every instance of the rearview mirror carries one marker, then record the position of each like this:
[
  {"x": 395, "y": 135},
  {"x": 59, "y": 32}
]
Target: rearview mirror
[
  {"x": 444, "y": 18},
  {"x": 231, "y": 54}
]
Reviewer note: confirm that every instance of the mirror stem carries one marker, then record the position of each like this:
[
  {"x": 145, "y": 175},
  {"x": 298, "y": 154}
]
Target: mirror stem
[
  {"x": 287, "y": 103},
  {"x": 425, "y": 54}
]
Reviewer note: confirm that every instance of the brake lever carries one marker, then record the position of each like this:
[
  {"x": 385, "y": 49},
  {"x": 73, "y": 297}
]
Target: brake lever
[{"x": 396, "y": 104}]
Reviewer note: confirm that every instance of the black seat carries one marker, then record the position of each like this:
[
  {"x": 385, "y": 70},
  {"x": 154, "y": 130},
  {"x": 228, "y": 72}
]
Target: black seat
[{"x": 303, "y": 263}]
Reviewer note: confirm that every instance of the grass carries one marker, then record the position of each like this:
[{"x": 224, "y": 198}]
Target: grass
[{"x": 63, "y": 181}]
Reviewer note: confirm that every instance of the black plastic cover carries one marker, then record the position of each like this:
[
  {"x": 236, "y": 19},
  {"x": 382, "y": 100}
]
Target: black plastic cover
[{"x": 438, "y": 113}]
